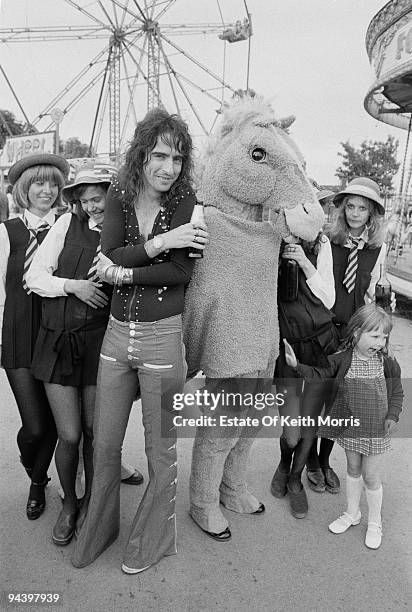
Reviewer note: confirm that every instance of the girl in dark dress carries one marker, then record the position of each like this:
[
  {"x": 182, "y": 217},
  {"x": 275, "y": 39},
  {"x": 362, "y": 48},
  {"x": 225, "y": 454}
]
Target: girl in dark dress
[{"x": 307, "y": 323}]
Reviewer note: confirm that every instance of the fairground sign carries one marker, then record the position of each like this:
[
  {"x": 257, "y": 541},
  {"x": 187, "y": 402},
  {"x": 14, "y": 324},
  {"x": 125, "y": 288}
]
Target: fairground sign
[{"x": 17, "y": 147}]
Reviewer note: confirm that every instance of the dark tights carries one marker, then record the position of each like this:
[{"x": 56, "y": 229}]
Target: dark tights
[
  {"x": 316, "y": 461},
  {"x": 293, "y": 460},
  {"x": 296, "y": 443},
  {"x": 37, "y": 437}
]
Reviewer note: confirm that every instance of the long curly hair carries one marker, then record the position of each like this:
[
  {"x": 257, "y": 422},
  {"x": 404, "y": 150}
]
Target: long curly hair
[
  {"x": 338, "y": 229},
  {"x": 174, "y": 132}
]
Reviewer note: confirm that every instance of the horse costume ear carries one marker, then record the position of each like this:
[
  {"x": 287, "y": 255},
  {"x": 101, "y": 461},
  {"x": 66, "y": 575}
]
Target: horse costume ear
[{"x": 286, "y": 122}]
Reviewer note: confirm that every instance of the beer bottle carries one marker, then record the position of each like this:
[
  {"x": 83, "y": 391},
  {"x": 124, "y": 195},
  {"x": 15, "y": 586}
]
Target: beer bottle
[
  {"x": 383, "y": 290},
  {"x": 288, "y": 280},
  {"x": 198, "y": 216}
]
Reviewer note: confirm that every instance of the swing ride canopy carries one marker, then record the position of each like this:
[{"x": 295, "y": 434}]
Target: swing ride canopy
[{"x": 389, "y": 46}]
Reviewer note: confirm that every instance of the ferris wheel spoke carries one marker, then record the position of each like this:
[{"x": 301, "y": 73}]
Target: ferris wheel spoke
[
  {"x": 124, "y": 9},
  {"x": 106, "y": 13},
  {"x": 94, "y": 145},
  {"x": 131, "y": 105},
  {"x": 196, "y": 114},
  {"x": 169, "y": 70},
  {"x": 72, "y": 83},
  {"x": 149, "y": 84},
  {"x": 204, "y": 91},
  {"x": 194, "y": 60},
  {"x": 80, "y": 95},
  {"x": 82, "y": 10},
  {"x": 193, "y": 28},
  {"x": 164, "y": 9},
  {"x": 12, "y": 35},
  {"x": 139, "y": 9},
  {"x": 99, "y": 101},
  {"x": 128, "y": 10}
]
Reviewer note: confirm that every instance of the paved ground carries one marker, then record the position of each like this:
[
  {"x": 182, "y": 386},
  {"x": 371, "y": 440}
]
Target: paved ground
[{"x": 274, "y": 562}]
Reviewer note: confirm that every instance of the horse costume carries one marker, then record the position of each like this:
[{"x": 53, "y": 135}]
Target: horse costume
[{"x": 256, "y": 193}]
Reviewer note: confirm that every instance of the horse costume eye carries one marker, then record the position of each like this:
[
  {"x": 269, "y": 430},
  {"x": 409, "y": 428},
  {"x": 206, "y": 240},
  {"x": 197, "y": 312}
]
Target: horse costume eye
[{"x": 258, "y": 154}]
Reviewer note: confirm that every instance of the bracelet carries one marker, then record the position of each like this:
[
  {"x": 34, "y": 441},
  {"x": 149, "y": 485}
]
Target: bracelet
[
  {"x": 109, "y": 273},
  {"x": 127, "y": 276}
]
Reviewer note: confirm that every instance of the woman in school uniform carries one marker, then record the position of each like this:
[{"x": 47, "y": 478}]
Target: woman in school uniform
[{"x": 37, "y": 184}]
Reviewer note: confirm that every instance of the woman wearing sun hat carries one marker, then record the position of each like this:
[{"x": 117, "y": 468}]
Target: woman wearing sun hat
[
  {"x": 356, "y": 233},
  {"x": 37, "y": 184}
]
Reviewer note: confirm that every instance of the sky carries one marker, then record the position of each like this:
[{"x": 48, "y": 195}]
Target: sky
[{"x": 308, "y": 57}]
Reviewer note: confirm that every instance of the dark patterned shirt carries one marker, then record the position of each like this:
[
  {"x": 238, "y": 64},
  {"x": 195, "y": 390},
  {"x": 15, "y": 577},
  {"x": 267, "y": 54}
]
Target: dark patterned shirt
[{"x": 158, "y": 285}]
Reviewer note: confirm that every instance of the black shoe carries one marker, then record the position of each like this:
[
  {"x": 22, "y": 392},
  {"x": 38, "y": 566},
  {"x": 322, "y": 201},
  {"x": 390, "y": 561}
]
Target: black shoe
[
  {"x": 63, "y": 530},
  {"x": 260, "y": 510},
  {"x": 223, "y": 536},
  {"x": 135, "y": 479},
  {"x": 332, "y": 481},
  {"x": 37, "y": 501},
  {"x": 278, "y": 484},
  {"x": 316, "y": 480},
  {"x": 298, "y": 503}
]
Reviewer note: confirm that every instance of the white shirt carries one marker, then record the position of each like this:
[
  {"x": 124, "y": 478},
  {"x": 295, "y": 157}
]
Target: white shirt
[
  {"x": 322, "y": 283},
  {"x": 33, "y": 222},
  {"x": 40, "y": 277}
]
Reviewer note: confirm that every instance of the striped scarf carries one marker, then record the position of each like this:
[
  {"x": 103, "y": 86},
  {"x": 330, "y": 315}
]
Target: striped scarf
[{"x": 32, "y": 247}]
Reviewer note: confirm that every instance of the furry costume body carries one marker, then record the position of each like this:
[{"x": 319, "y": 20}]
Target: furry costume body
[{"x": 255, "y": 193}]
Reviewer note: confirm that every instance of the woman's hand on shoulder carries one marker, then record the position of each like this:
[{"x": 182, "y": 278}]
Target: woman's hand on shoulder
[
  {"x": 87, "y": 291},
  {"x": 186, "y": 235}
]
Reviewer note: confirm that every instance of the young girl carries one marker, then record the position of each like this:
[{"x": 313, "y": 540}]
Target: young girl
[
  {"x": 37, "y": 184},
  {"x": 368, "y": 395}
]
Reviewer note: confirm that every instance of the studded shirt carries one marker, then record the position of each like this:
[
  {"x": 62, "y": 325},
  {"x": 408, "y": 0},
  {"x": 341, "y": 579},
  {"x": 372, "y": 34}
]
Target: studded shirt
[{"x": 158, "y": 285}]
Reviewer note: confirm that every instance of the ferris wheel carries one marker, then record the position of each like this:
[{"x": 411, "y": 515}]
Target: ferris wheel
[{"x": 141, "y": 63}]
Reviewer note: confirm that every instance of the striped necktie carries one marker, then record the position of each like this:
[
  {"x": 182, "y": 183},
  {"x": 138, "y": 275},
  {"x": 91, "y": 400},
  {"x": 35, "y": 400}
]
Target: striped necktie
[
  {"x": 92, "y": 273},
  {"x": 352, "y": 266},
  {"x": 32, "y": 247}
]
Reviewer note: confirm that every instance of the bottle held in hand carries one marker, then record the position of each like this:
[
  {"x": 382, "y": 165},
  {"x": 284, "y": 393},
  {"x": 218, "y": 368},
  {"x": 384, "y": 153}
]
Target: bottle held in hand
[
  {"x": 288, "y": 280},
  {"x": 383, "y": 290},
  {"x": 198, "y": 216}
]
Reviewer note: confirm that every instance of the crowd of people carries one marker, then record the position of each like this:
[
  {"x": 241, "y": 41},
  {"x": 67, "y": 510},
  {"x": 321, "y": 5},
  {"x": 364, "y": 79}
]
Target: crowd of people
[{"x": 92, "y": 302}]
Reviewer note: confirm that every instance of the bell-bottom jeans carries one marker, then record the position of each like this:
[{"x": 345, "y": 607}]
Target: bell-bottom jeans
[{"x": 152, "y": 354}]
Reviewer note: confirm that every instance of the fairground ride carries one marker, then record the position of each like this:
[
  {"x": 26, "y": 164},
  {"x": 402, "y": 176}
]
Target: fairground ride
[
  {"x": 140, "y": 63},
  {"x": 389, "y": 99}
]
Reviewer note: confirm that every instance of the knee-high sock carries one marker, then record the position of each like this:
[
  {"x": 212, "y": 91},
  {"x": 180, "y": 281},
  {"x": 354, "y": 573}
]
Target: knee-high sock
[
  {"x": 374, "y": 499},
  {"x": 353, "y": 494}
]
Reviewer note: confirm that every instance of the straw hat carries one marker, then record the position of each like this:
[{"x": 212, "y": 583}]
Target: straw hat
[
  {"x": 90, "y": 173},
  {"x": 37, "y": 159},
  {"x": 365, "y": 187},
  {"x": 324, "y": 193}
]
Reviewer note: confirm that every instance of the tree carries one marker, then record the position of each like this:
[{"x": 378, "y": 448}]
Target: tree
[
  {"x": 73, "y": 148},
  {"x": 9, "y": 126},
  {"x": 374, "y": 159}
]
